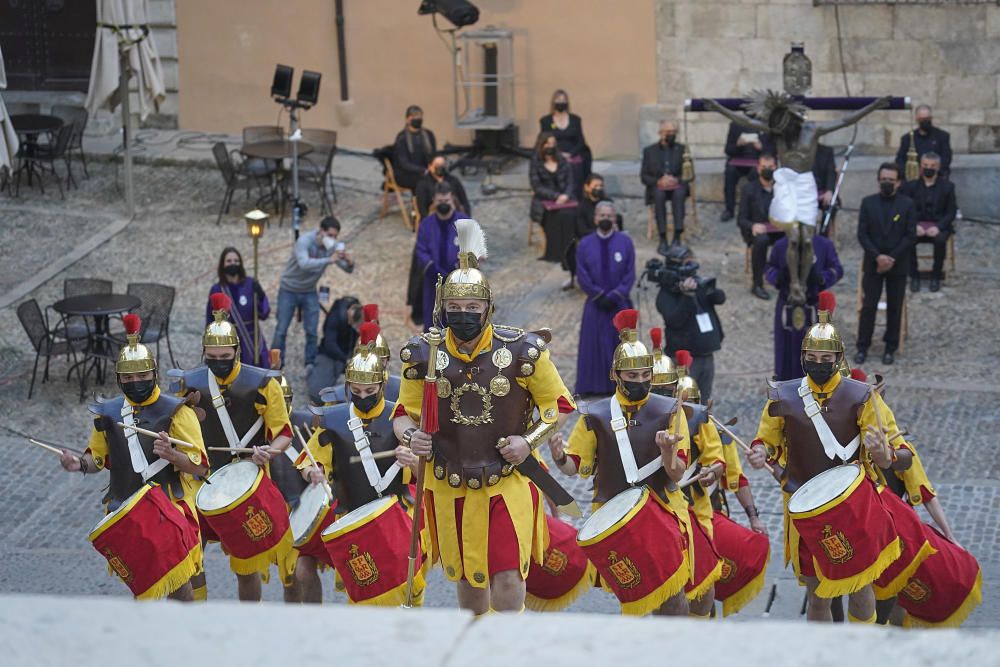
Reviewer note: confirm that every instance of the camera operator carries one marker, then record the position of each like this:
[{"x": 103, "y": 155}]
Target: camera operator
[{"x": 687, "y": 303}]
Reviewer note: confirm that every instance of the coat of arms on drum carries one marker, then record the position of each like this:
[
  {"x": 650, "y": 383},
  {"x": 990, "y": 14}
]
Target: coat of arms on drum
[
  {"x": 624, "y": 571},
  {"x": 917, "y": 591},
  {"x": 729, "y": 569},
  {"x": 837, "y": 548},
  {"x": 257, "y": 525},
  {"x": 555, "y": 562},
  {"x": 363, "y": 567},
  {"x": 119, "y": 566}
]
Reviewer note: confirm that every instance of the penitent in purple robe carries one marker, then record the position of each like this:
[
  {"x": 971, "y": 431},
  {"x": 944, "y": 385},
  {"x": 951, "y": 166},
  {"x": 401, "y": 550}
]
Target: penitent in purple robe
[
  {"x": 826, "y": 272},
  {"x": 436, "y": 254},
  {"x": 242, "y": 295},
  {"x": 605, "y": 269}
]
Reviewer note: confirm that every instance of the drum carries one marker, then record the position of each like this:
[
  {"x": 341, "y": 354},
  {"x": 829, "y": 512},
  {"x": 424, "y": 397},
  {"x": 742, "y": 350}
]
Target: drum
[
  {"x": 638, "y": 548},
  {"x": 369, "y": 547},
  {"x": 707, "y": 563},
  {"x": 149, "y": 543},
  {"x": 744, "y": 563},
  {"x": 309, "y": 520},
  {"x": 916, "y": 547},
  {"x": 843, "y": 529},
  {"x": 946, "y": 587},
  {"x": 245, "y": 509},
  {"x": 565, "y": 572}
]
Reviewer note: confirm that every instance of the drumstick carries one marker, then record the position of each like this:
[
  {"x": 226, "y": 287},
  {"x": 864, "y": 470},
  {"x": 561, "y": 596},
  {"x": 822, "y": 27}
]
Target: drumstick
[
  {"x": 377, "y": 456},
  {"x": 744, "y": 446},
  {"x": 678, "y": 413},
  {"x": 234, "y": 450},
  {"x": 172, "y": 441},
  {"x": 326, "y": 487},
  {"x": 44, "y": 446}
]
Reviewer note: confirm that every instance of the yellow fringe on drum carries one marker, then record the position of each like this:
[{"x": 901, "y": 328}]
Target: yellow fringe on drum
[
  {"x": 899, "y": 583},
  {"x": 831, "y": 588},
  {"x": 558, "y": 604},
  {"x": 972, "y": 600},
  {"x": 698, "y": 592},
  {"x": 667, "y": 590},
  {"x": 735, "y": 602},
  {"x": 177, "y": 577},
  {"x": 261, "y": 563}
]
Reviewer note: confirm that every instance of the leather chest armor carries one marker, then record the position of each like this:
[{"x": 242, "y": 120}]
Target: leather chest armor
[
  {"x": 806, "y": 457},
  {"x": 479, "y": 402},
  {"x": 155, "y": 417},
  {"x": 349, "y": 481},
  {"x": 241, "y": 395},
  {"x": 643, "y": 424}
]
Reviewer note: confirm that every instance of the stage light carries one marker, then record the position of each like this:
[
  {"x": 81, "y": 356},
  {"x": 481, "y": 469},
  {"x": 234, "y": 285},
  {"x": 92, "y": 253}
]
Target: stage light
[
  {"x": 281, "y": 85},
  {"x": 308, "y": 93},
  {"x": 459, "y": 12}
]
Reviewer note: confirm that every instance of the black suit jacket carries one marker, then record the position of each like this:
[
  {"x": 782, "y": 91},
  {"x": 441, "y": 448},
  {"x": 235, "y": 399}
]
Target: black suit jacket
[
  {"x": 659, "y": 160},
  {"x": 747, "y": 150},
  {"x": 935, "y": 141},
  {"x": 887, "y": 229},
  {"x": 936, "y": 203},
  {"x": 825, "y": 169}
]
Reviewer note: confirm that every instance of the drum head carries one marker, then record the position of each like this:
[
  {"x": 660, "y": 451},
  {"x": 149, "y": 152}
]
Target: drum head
[
  {"x": 360, "y": 514},
  {"x": 121, "y": 509},
  {"x": 226, "y": 485},
  {"x": 312, "y": 502},
  {"x": 609, "y": 513},
  {"x": 823, "y": 488}
]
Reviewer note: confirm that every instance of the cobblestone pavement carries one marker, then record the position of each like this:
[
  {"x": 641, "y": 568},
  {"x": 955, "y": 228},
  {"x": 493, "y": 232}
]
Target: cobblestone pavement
[{"x": 943, "y": 386}]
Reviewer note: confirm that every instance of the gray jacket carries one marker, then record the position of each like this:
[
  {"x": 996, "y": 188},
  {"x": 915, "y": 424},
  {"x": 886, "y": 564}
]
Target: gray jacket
[{"x": 306, "y": 265}]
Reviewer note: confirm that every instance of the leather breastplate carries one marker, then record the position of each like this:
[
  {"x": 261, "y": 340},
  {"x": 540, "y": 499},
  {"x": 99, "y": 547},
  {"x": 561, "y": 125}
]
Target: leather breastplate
[
  {"x": 480, "y": 402},
  {"x": 155, "y": 417},
  {"x": 349, "y": 480},
  {"x": 652, "y": 416},
  {"x": 806, "y": 456},
  {"x": 240, "y": 397}
]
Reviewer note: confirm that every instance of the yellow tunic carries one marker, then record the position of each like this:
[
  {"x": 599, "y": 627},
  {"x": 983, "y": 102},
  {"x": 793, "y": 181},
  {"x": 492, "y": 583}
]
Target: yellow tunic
[
  {"x": 734, "y": 467},
  {"x": 546, "y": 388},
  {"x": 710, "y": 452},
  {"x": 184, "y": 426}
]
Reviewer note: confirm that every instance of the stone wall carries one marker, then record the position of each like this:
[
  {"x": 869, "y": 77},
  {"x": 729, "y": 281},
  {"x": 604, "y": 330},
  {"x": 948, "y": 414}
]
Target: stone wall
[{"x": 945, "y": 56}]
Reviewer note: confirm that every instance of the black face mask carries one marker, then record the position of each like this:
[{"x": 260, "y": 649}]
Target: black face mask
[
  {"x": 221, "y": 368},
  {"x": 417, "y": 123},
  {"x": 605, "y": 225},
  {"x": 930, "y": 173},
  {"x": 925, "y": 125},
  {"x": 670, "y": 139},
  {"x": 138, "y": 391},
  {"x": 439, "y": 172},
  {"x": 886, "y": 189},
  {"x": 443, "y": 209},
  {"x": 819, "y": 371},
  {"x": 232, "y": 270},
  {"x": 549, "y": 152},
  {"x": 767, "y": 173},
  {"x": 597, "y": 194},
  {"x": 636, "y": 391},
  {"x": 366, "y": 404},
  {"x": 561, "y": 106},
  {"x": 465, "y": 326}
]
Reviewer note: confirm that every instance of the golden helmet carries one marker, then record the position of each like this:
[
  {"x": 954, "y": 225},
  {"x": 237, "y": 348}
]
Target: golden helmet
[
  {"x": 823, "y": 336},
  {"x": 631, "y": 354},
  {"x": 221, "y": 332},
  {"x": 467, "y": 281},
  {"x": 370, "y": 311},
  {"x": 286, "y": 391},
  {"x": 664, "y": 372},
  {"x": 687, "y": 387},
  {"x": 134, "y": 356},
  {"x": 366, "y": 366}
]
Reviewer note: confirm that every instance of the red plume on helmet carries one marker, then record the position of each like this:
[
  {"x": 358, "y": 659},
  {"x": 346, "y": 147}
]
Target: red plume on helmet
[
  {"x": 626, "y": 319},
  {"x": 133, "y": 323},
  {"x": 370, "y": 312},
  {"x": 827, "y": 301},
  {"x": 859, "y": 375},
  {"x": 656, "y": 336},
  {"x": 369, "y": 332},
  {"x": 683, "y": 358},
  {"x": 220, "y": 301}
]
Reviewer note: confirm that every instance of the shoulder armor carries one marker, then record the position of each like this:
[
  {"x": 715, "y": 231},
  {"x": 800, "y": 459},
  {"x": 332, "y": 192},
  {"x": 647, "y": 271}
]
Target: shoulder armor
[
  {"x": 777, "y": 391},
  {"x": 104, "y": 407},
  {"x": 415, "y": 351},
  {"x": 696, "y": 412},
  {"x": 507, "y": 334},
  {"x": 259, "y": 376},
  {"x": 175, "y": 381}
]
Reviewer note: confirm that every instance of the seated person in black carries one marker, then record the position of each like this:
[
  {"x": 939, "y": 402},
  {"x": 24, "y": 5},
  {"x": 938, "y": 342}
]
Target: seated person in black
[
  {"x": 661, "y": 174},
  {"x": 927, "y": 139},
  {"x": 568, "y": 131},
  {"x": 437, "y": 172},
  {"x": 741, "y": 143},
  {"x": 755, "y": 203},
  {"x": 936, "y": 208},
  {"x": 413, "y": 149},
  {"x": 593, "y": 194},
  {"x": 340, "y": 335}
]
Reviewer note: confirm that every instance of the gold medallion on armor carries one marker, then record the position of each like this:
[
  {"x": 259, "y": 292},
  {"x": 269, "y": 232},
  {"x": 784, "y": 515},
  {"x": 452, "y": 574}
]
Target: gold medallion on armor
[
  {"x": 624, "y": 571},
  {"x": 443, "y": 387},
  {"x": 502, "y": 358},
  {"x": 527, "y": 369},
  {"x": 363, "y": 569},
  {"x": 405, "y": 354},
  {"x": 257, "y": 525},
  {"x": 837, "y": 548},
  {"x": 442, "y": 360},
  {"x": 533, "y": 353},
  {"x": 485, "y": 415},
  {"x": 500, "y": 386}
]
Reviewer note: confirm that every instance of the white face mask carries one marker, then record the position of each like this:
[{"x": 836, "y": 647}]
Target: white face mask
[{"x": 329, "y": 243}]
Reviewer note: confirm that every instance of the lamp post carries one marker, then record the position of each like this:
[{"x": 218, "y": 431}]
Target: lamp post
[{"x": 256, "y": 219}]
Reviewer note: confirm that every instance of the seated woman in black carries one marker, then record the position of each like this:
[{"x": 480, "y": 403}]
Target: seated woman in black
[
  {"x": 568, "y": 130},
  {"x": 552, "y": 204}
]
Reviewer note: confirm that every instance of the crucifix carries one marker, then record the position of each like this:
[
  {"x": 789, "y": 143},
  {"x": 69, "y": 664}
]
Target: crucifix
[{"x": 783, "y": 115}]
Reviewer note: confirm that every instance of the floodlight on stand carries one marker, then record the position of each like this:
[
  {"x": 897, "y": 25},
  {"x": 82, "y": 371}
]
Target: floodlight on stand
[
  {"x": 281, "y": 85},
  {"x": 308, "y": 93},
  {"x": 459, "y": 12}
]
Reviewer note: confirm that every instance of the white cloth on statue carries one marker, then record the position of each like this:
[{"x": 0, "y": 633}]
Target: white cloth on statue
[{"x": 795, "y": 198}]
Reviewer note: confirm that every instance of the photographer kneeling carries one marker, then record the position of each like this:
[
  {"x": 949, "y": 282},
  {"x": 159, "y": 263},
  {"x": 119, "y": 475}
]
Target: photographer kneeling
[{"x": 687, "y": 304}]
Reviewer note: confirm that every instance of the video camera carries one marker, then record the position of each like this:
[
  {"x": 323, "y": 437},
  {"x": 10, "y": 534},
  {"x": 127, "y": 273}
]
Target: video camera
[{"x": 676, "y": 269}]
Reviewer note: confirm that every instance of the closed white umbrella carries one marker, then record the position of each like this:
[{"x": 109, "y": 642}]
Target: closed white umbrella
[
  {"x": 122, "y": 49},
  {"x": 8, "y": 137}
]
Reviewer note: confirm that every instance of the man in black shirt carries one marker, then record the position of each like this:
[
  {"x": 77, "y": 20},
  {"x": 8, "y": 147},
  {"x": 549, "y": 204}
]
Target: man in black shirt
[
  {"x": 886, "y": 231},
  {"x": 755, "y": 202},
  {"x": 437, "y": 172},
  {"x": 928, "y": 139},
  {"x": 661, "y": 174},
  {"x": 413, "y": 149},
  {"x": 936, "y": 207},
  {"x": 741, "y": 144}
]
